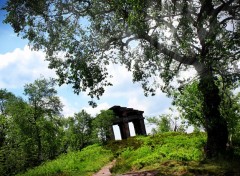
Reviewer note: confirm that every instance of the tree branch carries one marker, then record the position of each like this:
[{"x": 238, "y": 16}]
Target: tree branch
[{"x": 162, "y": 49}]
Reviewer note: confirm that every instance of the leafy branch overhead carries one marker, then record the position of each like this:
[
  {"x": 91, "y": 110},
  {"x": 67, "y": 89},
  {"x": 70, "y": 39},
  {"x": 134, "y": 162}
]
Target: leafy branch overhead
[{"x": 152, "y": 38}]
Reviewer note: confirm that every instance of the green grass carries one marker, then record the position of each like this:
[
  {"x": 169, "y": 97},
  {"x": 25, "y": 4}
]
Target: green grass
[
  {"x": 166, "y": 154},
  {"x": 149, "y": 151},
  {"x": 81, "y": 163}
]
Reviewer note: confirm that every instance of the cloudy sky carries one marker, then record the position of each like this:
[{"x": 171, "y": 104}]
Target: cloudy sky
[{"x": 19, "y": 66}]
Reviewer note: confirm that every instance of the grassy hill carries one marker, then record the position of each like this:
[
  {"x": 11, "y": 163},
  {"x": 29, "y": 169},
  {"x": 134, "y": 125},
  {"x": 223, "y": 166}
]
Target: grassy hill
[
  {"x": 165, "y": 154},
  {"x": 80, "y": 163}
]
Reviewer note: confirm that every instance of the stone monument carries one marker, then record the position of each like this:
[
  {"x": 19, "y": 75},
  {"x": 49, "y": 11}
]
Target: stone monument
[{"x": 123, "y": 116}]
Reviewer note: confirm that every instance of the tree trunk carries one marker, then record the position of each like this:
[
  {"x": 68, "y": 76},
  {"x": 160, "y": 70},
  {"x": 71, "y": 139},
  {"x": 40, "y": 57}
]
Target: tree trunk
[{"x": 215, "y": 124}]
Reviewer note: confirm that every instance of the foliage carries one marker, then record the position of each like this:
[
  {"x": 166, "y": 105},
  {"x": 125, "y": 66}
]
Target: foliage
[
  {"x": 14, "y": 154},
  {"x": 167, "y": 32},
  {"x": 5, "y": 98},
  {"x": 103, "y": 123},
  {"x": 79, "y": 131},
  {"x": 230, "y": 109},
  {"x": 189, "y": 103},
  {"x": 85, "y": 162},
  {"x": 42, "y": 96},
  {"x": 170, "y": 153},
  {"x": 165, "y": 124},
  {"x": 32, "y": 131},
  {"x": 45, "y": 105}
]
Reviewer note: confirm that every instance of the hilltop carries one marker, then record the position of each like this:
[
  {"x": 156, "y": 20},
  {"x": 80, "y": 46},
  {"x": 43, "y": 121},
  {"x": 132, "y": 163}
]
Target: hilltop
[{"x": 164, "y": 154}]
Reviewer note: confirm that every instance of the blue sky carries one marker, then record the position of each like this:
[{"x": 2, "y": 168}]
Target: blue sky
[{"x": 19, "y": 66}]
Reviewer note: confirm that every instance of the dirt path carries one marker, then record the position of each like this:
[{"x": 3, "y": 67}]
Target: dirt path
[
  {"x": 146, "y": 173},
  {"x": 105, "y": 170}
]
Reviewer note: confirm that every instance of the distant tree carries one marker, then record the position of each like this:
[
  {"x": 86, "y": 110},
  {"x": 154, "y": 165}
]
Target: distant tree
[
  {"x": 15, "y": 153},
  {"x": 164, "y": 123},
  {"x": 103, "y": 123},
  {"x": 52, "y": 134},
  {"x": 5, "y": 98},
  {"x": 152, "y": 38},
  {"x": 30, "y": 131},
  {"x": 10, "y": 160},
  {"x": 45, "y": 105},
  {"x": 79, "y": 130},
  {"x": 189, "y": 103}
]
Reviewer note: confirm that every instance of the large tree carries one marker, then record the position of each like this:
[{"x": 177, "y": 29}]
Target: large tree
[
  {"x": 45, "y": 105},
  {"x": 153, "y": 38},
  {"x": 27, "y": 136}
]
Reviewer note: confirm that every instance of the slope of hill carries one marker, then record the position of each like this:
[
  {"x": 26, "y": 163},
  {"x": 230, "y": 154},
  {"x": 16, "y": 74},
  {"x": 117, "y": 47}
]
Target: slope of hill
[{"x": 165, "y": 154}]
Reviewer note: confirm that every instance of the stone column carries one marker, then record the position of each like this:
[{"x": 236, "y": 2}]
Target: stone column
[
  {"x": 124, "y": 130},
  {"x": 143, "y": 128},
  {"x": 139, "y": 127}
]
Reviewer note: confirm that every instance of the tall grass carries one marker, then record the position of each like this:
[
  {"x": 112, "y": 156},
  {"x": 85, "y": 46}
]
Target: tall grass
[
  {"x": 81, "y": 163},
  {"x": 160, "y": 148}
]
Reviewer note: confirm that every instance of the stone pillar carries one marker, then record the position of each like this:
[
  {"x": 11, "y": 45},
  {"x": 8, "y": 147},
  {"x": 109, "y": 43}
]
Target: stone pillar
[
  {"x": 139, "y": 127},
  {"x": 124, "y": 130},
  {"x": 136, "y": 127},
  {"x": 143, "y": 128}
]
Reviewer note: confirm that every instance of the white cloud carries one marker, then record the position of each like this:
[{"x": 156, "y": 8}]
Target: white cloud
[
  {"x": 94, "y": 111},
  {"x": 22, "y": 66},
  {"x": 136, "y": 103},
  {"x": 68, "y": 109}
]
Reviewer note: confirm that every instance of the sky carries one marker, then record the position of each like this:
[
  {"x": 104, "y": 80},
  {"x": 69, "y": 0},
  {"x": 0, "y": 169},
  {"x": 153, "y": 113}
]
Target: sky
[{"x": 19, "y": 65}]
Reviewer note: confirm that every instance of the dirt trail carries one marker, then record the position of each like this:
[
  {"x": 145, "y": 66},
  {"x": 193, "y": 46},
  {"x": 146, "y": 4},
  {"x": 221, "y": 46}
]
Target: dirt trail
[
  {"x": 105, "y": 170},
  {"x": 146, "y": 173}
]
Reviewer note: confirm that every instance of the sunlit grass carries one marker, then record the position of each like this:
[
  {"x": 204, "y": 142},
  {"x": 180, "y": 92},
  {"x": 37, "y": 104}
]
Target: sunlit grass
[
  {"x": 81, "y": 163},
  {"x": 167, "y": 153}
]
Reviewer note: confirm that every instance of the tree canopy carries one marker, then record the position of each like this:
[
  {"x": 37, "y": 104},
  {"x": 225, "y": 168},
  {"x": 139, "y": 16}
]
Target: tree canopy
[
  {"x": 152, "y": 38},
  {"x": 155, "y": 39},
  {"x": 80, "y": 129},
  {"x": 30, "y": 132},
  {"x": 34, "y": 131},
  {"x": 163, "y": 124},
  {"x": 103, "y": 123}
]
